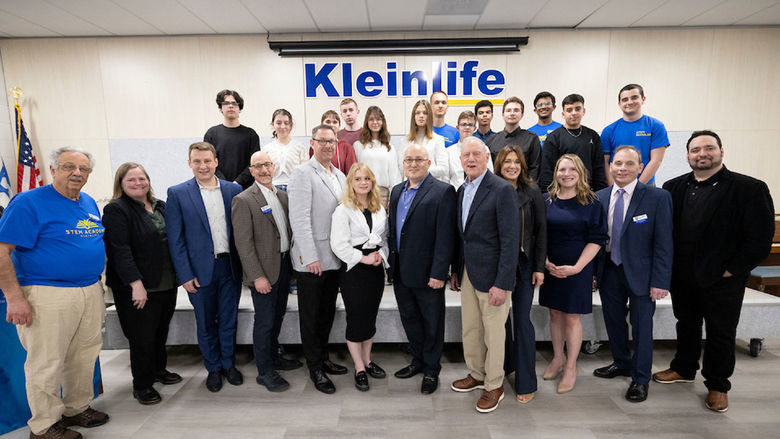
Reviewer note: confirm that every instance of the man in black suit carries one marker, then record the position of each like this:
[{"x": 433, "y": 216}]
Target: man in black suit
[
  {"x": 422, "y": 240},
  {"x": 489, "y": 246},
  {"x": 723, "y": 227}
]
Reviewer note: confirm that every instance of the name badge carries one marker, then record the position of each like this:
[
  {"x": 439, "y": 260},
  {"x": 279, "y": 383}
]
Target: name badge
[
  {"x": 267, "y": 209},
  {"x": 639, "y": 219}
]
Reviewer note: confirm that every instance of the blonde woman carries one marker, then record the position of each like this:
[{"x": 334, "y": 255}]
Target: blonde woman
[
  {"x": 358, "y": 236},
  {"x": 421, "y": 133},
  {"x": 373, "y": 148},
  {"x": 285, "y": 153},
  {"x": 576, "y": 231}
]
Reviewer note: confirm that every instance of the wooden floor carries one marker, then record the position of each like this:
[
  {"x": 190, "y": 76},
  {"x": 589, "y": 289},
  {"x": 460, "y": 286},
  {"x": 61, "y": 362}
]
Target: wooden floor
[{"x": 394, "y": 408}]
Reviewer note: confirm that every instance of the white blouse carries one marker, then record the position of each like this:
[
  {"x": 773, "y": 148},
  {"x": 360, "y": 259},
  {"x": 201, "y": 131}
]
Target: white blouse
[
  {"x": 286, "y": 158},
  {"x": 383, "y": 163},
  {"x": 437, "y": 154},
  {"x": 349, "y": 228}
]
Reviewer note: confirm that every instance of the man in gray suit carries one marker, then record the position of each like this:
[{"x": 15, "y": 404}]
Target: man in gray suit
[
  {"x": 260, "y": 219},
  {"x": 315, "y": 190}
]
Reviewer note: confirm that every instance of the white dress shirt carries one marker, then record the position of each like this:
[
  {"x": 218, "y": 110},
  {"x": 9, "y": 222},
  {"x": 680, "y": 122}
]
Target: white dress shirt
[
  {"x": 215, "y": 210},
  {"x": 629, "y": 192},
  {"x": 278, "y": 212}
]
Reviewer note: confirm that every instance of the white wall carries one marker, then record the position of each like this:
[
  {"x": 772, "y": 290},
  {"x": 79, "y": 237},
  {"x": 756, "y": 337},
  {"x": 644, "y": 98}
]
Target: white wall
[{"x": 89, "y": 91}]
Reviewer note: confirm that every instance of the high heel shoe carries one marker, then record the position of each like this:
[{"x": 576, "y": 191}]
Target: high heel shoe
[
  {"x": 549, "y": 376},
  {"x": 566, "y": 388}
]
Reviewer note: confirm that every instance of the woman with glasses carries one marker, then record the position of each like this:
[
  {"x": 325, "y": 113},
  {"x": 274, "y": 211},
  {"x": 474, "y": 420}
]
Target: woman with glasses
[
  {"x": 285, "y": 152},
  {"x": 373, "y": 148},
  {"x": 421, "y": 133},
  {"x": 140, "y": 273},
  {"x": 358, "y": 236}
]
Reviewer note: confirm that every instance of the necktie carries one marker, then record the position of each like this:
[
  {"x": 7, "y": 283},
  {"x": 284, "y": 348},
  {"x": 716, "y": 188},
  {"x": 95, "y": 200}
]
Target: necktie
[{"x": 617, "y": 227}]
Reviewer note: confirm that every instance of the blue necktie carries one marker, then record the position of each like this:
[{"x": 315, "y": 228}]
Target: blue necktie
[{"x": 617, "y": 227}]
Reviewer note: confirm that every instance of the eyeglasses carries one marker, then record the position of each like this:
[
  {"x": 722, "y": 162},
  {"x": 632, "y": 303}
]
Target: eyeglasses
[
  {"x": 466, "y": 125},
  {"x": 325, "y": 141},
  {"x": 70, "y": 167},
  {"x": 544, "y": 104},
  {"x": 230, "y": 104},
  {"x": 410, "y": 161},
  {"x": 259, "y": 166}
]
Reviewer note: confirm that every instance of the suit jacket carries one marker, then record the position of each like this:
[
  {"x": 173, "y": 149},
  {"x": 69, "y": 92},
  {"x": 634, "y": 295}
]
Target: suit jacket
[
  {"x": 738, "y": 235},
  {"x": 189, "y": 233},
  {"x": 349, "y": 229},
  {"x": 134, "y": 248},
  {"x": 259, "y": 245},
  {"x": 312, "y": 202},
  {"x": 428, "y": 236},
  {"x": 645, "y": 245},
  {"x": 490, "y": 242}
]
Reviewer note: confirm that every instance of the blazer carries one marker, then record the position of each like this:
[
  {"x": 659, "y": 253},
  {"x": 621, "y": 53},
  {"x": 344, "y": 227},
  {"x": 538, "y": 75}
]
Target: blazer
[
  {"x": 490, "y": 242},
  {"x": 312, "y": 202},
  {"x": 428, "y": 236},
  {"x": 134, "y": 248},
  {"x": 189, "y": 233},
  {"x": 349, "y": 229},
  {"x": 533, "y": 227},
  {"x": 738, "y": 235},
  {"x": 645, "y": 243},
  {"x": 259, "y": 245}
]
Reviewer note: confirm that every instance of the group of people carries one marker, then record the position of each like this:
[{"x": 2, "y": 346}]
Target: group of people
[{"x": 493, "y": 214}]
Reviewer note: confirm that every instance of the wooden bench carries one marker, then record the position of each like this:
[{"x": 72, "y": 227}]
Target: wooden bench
[{"x": 766, "y": 277}]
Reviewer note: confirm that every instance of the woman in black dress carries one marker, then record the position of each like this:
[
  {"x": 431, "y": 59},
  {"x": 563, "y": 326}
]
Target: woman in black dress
[
  {"x": 358, "y": 236},
  {"x": 140, "y": 273},
  {"x": 576, "y": 231},
  {"x": 520, "y": 352}
]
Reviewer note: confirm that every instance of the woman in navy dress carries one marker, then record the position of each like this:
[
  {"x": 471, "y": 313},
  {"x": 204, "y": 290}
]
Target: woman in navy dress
[{"x": 576, "y": 231}]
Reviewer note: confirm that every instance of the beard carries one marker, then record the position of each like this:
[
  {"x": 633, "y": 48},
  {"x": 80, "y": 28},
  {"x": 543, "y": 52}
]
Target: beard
[{"x": 706, "y": 165}]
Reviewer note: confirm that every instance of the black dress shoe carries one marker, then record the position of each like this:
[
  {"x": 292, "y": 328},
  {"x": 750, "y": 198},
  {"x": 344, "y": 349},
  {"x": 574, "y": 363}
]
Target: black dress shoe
[
  {"x": 375, "y": 371},
  {"x": 321, "y": 381},
  {"x": 636, "y": 392},
  {"x": 408, "y": 371},
  {"x": 214, "y": 381},
  {"x": 147, "y": 396},
  {"x": 233, "y": 376},
  {"x": 333, "y": 368},
  {"x": 273, "y": 381},
  {"x": 429, "y": 384},
  {"x": 281, "y": 363},
  {"x": 166, "y": 377},
  {"x": 361, "y": 381},
  {"x": 611, "y": 371}
]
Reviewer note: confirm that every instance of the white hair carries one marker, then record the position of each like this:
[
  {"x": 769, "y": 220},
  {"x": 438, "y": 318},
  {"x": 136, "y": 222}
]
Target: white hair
[{"x": 55, "y": 155}]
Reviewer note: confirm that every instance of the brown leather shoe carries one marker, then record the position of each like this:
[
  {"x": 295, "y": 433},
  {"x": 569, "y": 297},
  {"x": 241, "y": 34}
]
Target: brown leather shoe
[
  {"x": 467, "y": 384},
  {"x": 669, "y": 376},
  {"x": 57, "y": 431},
  {"x": 717, "y": 401},
  {"x": 88, "y": 418},
  {"x": 489, "y": 400}
]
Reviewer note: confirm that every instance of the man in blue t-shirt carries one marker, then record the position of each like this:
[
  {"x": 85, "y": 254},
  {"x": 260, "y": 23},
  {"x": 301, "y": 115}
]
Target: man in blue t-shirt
[
  {"x": 544, "y": 105},
  {"x": 645, "y": 133},
  {"x": 439, "y": 105},
  {"x": 51, "y": 258}
]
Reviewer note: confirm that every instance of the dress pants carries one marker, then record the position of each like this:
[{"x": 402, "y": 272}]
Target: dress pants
[
  {"x": 718, "y": 306},
  {"x": 520, "y": 346},
  {"x": 269, "y": 313},
  {"x": 483, "y": 334},
  {"x": 422, "y": 315},
  {"x": 617, "y": 300},
  {"x": 316, "y": 308},
  {"x": 146, "y": 330},
  {"x": 62, "y": 345},
  {"x": 216, "y": 310}
]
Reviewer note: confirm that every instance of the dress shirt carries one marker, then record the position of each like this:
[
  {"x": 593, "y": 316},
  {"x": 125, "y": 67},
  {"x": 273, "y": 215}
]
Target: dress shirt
[
  {"x": 483, "y": 137},
  {"x": 278, "y": 212},
  {"x": 404, "y": 202},
  {"x": 215, "y": 211},
  {"x": 629, "y": 192},
  {"x": 469, "y": 190}
]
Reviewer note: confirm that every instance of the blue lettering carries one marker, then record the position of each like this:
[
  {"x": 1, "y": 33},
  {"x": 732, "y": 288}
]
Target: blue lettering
[
  {"x": 406, "y": 83},
  {"x": 436, "y": 68},
  {"x": 346, "y": 75},
  {"x": 316, "y": 79},
  {"x": 489, "y": 82},
  {"x": 369, "y": 79},
  {"x": 451, "y": 78},
  {"x": 392, "y": 81},
  {"x": 468, "y": 75}
]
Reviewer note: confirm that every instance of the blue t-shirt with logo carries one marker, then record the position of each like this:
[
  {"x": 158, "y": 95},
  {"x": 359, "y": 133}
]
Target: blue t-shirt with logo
[
  {"x": 59, "y": 241},
  {"x": 645, "y": 134},
  {"x": 450, "y": 134},
  {"x": 543, "y": 130}
]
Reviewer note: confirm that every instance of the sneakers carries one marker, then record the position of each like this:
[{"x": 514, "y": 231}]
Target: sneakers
[
  {"x": 273, "y": 381},
  {"x": 467, "y": 384},
  {"x": 88, "y": 418},
  {"x": 669, "y": 376}
]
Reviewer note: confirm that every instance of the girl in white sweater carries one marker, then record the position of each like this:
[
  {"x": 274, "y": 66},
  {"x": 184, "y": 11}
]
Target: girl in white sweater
[
  {"x": 374, "y": 149},
  {"x": 285, "y": 152}
]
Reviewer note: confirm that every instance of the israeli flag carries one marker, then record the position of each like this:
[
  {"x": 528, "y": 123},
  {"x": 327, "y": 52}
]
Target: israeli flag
[{"x": 5, "y": 188}]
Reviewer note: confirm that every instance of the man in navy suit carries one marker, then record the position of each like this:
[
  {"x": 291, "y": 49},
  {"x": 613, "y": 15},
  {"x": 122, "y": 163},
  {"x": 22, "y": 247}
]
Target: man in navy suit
[
  {"x": 422, "y": 240},
  {"x": 489, "y": 245},
  {"x": 204, "y": 256},
  {"x": 636, "y": 269}
]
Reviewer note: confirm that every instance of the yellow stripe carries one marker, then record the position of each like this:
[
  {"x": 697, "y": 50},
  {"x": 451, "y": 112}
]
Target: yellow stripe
[{"x": 474, "y": 101}]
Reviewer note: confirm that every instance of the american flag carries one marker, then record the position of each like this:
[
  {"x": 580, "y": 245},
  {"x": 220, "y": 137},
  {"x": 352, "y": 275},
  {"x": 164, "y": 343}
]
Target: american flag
[{"x": 27, "y": 174}]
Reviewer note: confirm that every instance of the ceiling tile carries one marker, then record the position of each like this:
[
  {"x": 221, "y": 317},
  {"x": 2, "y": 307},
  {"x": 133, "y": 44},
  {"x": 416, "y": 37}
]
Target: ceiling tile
[
  {"x": 15, "y": 26},
  {"x": 224, "y": 16},
  {"x": 398, "y": 15},
  {"x": 768, "y": 16},
  {"x": 50, "y": 17},
  {"x": 459, "y": 7},
  {"x": 167, "y": 15},
  {"x": 293, "y": 17},
  {"x": 674, "y": 13},
  {"x": 729, "y": 12},
  {"x": 509, "y": 14},
  {"x": 339, "y": 15},
  {"x": 620, "y": 13},
  {"x": 107, "y": 15},
  {"x": 564, "y": 13},
  {"x": 450, "y": 22}
]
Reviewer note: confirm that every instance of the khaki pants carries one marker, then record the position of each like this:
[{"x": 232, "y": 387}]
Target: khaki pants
[
  {"x": 62, "y": 344},
  {"x": 483, "y": 334}
]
